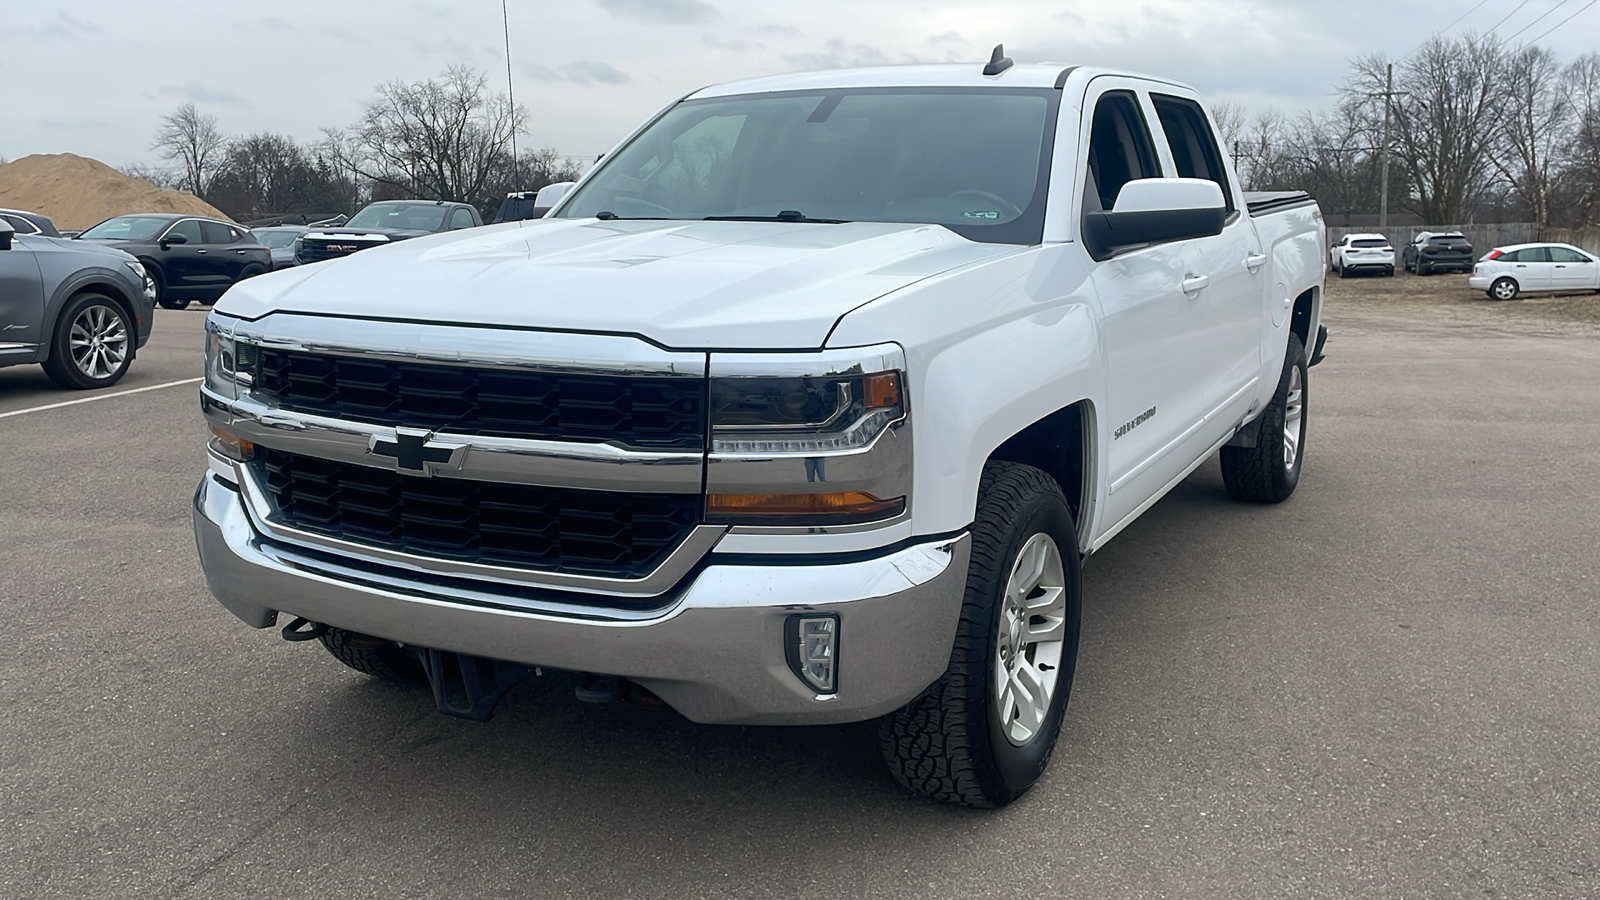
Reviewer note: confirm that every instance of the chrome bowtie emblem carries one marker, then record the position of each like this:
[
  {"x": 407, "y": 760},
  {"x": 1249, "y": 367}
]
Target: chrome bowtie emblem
[{"x": 414, "y": 450}]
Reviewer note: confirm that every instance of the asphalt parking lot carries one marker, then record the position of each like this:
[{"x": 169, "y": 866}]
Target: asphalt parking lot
[{"x": 1386, "y": 687}]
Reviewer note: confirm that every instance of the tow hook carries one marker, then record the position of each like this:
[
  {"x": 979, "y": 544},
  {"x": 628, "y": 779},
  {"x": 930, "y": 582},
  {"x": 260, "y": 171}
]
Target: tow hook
[
  {"x": 468, "y": 687},
  {"x": 297, "y": 631}
]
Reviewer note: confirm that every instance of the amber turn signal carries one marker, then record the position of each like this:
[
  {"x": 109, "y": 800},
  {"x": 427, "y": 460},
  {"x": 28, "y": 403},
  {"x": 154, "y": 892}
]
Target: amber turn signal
[
  {"x": 802, "y": 509},
  {"x": 231, "y": 445},
  {"x": 882, "y": 390}
]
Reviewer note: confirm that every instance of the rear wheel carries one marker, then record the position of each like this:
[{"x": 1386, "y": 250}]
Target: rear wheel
[
  {"x": 1388, "y": 272},
  {"x": 1503, "y": 289},
  {"x": 1269, "y": 471},
  {"x": 93, "y": 343},
  {"x": 983, "y": 733},
  {"x": 381, "y": 659}
]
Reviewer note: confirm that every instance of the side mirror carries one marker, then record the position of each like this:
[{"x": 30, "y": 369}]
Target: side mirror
[
  {"x": 1154, "y": 211},
  {"x": 173, "y": 239},
  {"x": 6, "y": 233},
  {"x": 551, "y": 194}
]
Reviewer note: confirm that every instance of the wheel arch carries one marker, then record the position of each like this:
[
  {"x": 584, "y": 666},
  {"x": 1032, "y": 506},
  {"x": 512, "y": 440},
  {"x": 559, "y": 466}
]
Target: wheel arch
[
  {"x": 1307, "y": 313},
  {"x": 1061, "y": 444},
  {"x": 91, "y": 285}
]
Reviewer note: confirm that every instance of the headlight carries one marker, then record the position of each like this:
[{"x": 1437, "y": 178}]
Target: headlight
[
  {"x": 137, "y": 268},
  {"x": 228, "y": 364},
  {"x": 808, "y": 439}
]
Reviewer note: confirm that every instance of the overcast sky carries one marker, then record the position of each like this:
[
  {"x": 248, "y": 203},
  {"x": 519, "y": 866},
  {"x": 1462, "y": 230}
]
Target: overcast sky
[{"x": 93, "y": 76}]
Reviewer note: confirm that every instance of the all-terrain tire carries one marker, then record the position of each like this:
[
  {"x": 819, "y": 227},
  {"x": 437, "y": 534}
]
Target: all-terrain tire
[
  {"x": 381, "y": 659},
  {"x": 948, "y": 743},
  {"x": 95, "y": 333},
  {"x": 1269, "y": 471}
]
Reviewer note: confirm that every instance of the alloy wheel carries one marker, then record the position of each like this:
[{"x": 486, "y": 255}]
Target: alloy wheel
[
  {"x": 1294, "y": 410},
  {"x": 1031, "y": 635},
  {"x": 98, "y": 342}
]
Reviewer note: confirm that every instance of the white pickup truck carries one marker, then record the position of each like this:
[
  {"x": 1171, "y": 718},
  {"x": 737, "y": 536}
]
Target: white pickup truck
[{"x": 804, "y": 406}]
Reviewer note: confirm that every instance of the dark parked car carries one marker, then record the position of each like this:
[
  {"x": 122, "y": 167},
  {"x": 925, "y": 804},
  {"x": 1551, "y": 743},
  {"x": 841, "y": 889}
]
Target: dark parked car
[
  {"x": 190, "y": 258},
  {"x": 384, "y": 222},
  {"x": 1431, "y": 252},
  {"x": 283, "y": 241},
  {"x": 29, "y": 223},
  {"x": 82, "y": 310}
]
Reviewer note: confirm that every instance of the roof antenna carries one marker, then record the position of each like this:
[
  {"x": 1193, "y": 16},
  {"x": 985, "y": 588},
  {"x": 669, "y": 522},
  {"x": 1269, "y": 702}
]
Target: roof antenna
[{"x": 999, "y": 62}]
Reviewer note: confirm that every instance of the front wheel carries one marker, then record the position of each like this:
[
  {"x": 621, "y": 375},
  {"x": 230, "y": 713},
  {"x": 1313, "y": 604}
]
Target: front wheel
[
  {"x": 1503, "y": 289},
  {"x": 93, "y": 343},
  {"x": 983, "y": 733},
  {"x": 1269, "y": 471},
  {"x": 376, "y": 657}
]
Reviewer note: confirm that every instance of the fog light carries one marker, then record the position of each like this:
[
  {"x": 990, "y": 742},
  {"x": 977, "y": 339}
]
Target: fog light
[{"x": 813, "y": 650}]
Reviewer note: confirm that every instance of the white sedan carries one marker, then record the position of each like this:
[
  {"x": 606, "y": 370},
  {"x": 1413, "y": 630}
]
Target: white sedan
[
  {"x": 1357, "y": 252},
  {"x": 1505, "y": 272}
]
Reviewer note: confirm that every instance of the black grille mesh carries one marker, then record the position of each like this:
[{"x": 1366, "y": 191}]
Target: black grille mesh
[
  {"x": 638, "y": 411},
  {"x": 554, "y": 529}
]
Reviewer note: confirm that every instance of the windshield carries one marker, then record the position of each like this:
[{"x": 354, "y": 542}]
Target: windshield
[
  {"x": 415, "y": 216},
  {"x": 276, "y": 240},
  {"x": 127, "y": 228},
  {"x": 974, "y": 160}
]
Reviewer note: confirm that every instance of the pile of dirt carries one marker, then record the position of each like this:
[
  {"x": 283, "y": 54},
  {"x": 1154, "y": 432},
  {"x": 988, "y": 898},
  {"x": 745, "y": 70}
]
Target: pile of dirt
[{"x": 78, "y": 192}]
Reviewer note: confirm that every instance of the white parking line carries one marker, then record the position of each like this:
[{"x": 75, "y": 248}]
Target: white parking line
[{"x": 153, "y": 387}]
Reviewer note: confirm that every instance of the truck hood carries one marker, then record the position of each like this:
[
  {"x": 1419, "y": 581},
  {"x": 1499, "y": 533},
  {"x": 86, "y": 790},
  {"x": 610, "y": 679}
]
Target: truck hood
[
  {"x": 393, "y": 234},
  {"x": 755, "y": 285}
]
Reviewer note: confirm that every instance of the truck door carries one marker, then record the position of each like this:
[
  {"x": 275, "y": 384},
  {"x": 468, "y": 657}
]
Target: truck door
[
  {"x": 1231, "y": 303},
  {"x": 1154, "y": 337}
]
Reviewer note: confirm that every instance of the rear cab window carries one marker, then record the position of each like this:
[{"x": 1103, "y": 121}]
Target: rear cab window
[{"x": 1369, "y": 243}]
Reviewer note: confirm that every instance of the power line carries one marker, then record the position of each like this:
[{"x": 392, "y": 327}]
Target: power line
[
  {"x": 1563, "y": 22},
  {"x": 505, "y": 25},
  {"x": 1459, "y": 19},
  {"x": 1536, "y": 20},
  {"x": 1507, "y": 18}
]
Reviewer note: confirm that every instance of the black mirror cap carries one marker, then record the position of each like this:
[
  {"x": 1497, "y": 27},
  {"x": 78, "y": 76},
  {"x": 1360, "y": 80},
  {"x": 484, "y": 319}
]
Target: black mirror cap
[
  {"x": 174, "y": 239},
  {"x": 1105, "y": 231},
  {"x": 5, "y": 238}
]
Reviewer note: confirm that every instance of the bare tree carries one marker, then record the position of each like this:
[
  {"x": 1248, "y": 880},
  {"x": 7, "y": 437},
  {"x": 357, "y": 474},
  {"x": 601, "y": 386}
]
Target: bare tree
[
  {"x": 1444, "y": 124},
  {"x": 192, "y": 139},
  {"x": 1578, "y": 184},
  {"x": 1535, "y": 117},
  {"x": 161, "y": 177},
  {"x": 440, "y": 139}
]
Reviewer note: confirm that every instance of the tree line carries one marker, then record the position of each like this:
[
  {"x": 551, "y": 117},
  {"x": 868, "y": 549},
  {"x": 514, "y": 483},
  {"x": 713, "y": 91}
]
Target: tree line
[
  {"x": 1478, "y": 132},
  {"x": 446, "y": 138}
]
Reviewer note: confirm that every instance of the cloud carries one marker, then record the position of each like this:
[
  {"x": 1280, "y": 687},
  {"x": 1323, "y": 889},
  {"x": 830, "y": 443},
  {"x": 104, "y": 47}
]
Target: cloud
[
  {"x": 671, "y": 12},
  {"x": 65, "y": 25},
  {"x": 74, "y": 124},
  {"x": 738, "y": 46},
  {"x": 277, "y": 24},
  {"x": 949, "y": 37},
  {"x": 199, "y": 93},
  {"x": 836, "y": 54},
  {"x": 581, "y": 72},
  {"x": 772, "y": 28}
]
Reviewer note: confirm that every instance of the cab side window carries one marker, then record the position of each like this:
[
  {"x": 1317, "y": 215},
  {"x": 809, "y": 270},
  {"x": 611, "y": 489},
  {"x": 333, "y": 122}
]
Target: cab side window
[
  {"x": 1194, "y": 147},
  {"x": 1120, "y": 150},
  {"x": 218, "y": 233},
  {"x": 1563, "y": 255},
  {"x": 189, "y": 228}
]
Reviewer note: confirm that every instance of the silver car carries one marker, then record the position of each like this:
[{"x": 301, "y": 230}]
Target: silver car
[
  {"x": 79, "y": 309},
  {"x": 283, "y": 241}
]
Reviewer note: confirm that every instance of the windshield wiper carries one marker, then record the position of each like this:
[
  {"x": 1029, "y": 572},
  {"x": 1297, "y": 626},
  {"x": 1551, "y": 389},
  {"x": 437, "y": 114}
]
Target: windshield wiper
[
  {"x": 787, "y": 215},
  {"x": 606, "y": 215}
]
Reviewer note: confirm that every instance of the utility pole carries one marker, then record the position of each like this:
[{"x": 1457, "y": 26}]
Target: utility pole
[{"x": 1383, "y": 168}]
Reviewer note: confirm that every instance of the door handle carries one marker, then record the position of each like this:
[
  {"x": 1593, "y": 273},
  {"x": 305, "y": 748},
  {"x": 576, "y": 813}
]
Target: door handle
[
  {"x": 1255, "y": 261},
  {"x": 1195, "y": 283},
  {"x": 240, "y": 252},
  {"x": 201, "y": 252}
]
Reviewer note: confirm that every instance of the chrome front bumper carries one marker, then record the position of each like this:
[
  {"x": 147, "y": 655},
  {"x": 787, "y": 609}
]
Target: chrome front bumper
[{"x": 715, "y": 652}]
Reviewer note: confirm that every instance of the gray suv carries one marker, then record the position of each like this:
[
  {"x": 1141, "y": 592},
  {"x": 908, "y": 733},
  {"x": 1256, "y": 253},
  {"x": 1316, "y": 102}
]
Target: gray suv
[{"x": 81, "y": 310}]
